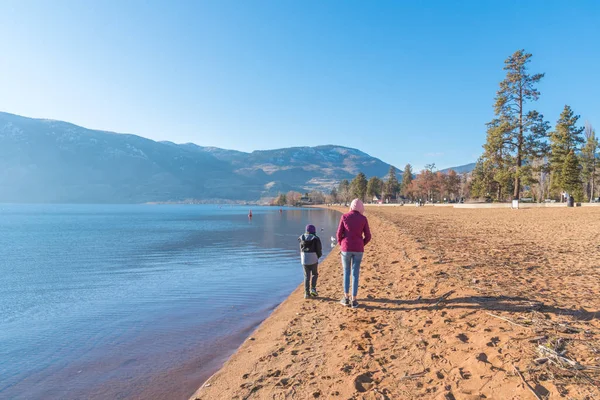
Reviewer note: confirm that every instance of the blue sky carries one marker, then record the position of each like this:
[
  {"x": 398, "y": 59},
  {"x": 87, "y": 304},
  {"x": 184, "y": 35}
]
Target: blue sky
[{"x": 405, "y": 81}]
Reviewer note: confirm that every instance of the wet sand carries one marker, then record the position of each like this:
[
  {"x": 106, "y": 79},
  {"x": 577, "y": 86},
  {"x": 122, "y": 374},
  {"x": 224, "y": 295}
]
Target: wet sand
[{"x": 455, "y": 304}]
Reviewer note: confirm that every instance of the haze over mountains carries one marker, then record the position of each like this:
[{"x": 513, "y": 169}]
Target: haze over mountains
[{"x": 53, "y": 161}]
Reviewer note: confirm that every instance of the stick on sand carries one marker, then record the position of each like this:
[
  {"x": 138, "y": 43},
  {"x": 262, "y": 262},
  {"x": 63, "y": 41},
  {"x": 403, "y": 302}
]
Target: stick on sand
[
  {"x": 506, "y": 319},
  {"x": 537, "y": 396}
]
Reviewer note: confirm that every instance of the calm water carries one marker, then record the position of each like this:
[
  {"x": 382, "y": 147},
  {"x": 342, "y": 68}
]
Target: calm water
[{"x": 137, "y": 301}]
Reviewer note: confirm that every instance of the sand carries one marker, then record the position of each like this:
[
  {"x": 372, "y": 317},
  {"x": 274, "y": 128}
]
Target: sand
[{"x": 455, "y": 304}]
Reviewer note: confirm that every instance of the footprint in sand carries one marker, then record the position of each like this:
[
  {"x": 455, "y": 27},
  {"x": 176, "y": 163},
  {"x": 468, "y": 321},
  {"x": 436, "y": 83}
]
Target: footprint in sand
[
  {"x": 482, "y": 357},
  {"x": 464, "y": 374},
  {"x": 283, "y": 382},
  {"x": 463, "y": 338},
  {"x": 275, "y": 373},
  {"x": 347, "y": 368},
  {"x": 364, "y": 382}
]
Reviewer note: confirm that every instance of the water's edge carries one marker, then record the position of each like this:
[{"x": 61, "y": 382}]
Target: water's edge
[{"x": 257, "y": 326}]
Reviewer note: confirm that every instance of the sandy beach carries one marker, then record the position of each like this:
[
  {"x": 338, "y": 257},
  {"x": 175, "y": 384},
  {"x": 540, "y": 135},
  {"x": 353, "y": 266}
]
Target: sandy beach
[{"x": 454, "y": 304}]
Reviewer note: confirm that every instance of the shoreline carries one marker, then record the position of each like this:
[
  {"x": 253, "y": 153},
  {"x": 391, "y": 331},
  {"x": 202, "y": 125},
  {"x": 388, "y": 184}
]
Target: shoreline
[
  {"x": 442, "y": 306},
  {"x": 296, "y": 293}
]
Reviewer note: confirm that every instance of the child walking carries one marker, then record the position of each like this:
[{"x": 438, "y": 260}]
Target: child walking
[{"x": 310, "y": 252}]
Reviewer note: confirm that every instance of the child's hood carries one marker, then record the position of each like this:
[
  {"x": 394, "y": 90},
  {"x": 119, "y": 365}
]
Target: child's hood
[{"x": 307, "y": 237}]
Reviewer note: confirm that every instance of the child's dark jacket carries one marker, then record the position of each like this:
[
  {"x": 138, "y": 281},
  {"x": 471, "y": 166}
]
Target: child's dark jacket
[{"x": 310, "y": 249}]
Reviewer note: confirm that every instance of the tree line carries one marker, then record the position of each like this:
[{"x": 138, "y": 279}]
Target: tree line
[
  {"x": 428, "y": 185},
  {"x": 293, "y": 198},
  {"x": 523, "y": 155}
]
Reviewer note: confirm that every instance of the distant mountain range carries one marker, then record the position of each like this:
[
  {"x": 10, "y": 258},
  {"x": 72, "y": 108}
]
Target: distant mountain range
[
  {"x": 461, "y": 169},
  {"x": 54, "y": 161}
]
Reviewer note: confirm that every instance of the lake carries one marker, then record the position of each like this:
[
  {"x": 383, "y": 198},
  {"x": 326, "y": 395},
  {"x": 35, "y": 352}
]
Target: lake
[{"x": 138, "y": 301}]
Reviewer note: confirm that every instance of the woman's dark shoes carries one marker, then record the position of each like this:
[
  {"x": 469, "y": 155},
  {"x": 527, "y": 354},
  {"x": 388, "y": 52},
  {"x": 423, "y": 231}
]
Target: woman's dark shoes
[
  {"x": 354, "y": 304},
  {"x": 345, "y": 301}
]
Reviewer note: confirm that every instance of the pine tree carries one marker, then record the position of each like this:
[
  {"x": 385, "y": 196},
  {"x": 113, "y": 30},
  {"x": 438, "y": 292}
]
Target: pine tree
[
  {"x": 391, "y": 186},
  {"x": 281, "y": 200},
  {"x": 359, "y": 186},
  {"x": 481, "y": 179},
  {"x": 521, "y": 133},
  {"x": 570, "y": 176},
  {"x": 407, "y": 178},
  {"x": 497, "y": 161},
  {"x": 589, "y": 160},
  {"x": 565, "y": 139},
  {"x": 374, "y": 187}
]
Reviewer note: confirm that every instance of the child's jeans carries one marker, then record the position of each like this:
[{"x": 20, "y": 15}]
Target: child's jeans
[
  {"x": 351, "y": 259},
  {"x": 311, "y": 273}
]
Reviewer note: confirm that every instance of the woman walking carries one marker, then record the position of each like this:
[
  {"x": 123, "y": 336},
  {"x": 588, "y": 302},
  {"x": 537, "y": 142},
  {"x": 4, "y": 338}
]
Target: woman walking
[{"x": 353, "y": 234}]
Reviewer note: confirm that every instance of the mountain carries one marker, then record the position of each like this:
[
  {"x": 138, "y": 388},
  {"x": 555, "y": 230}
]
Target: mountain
[
  {"x": 54, "y": 161},
  {"x": 461, "y": 168}
]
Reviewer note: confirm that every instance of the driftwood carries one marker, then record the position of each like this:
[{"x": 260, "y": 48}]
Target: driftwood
[
  {"x": 412, "y": 376},
  {"x": 553, "y": 355},
  {"x": 507, "y": 320}
]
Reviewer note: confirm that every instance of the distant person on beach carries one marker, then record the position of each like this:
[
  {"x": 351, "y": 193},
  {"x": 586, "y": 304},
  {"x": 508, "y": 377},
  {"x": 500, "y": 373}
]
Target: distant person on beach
[
  {"x": 353, "y": 234},
  {"x": 310, "y": 252}
]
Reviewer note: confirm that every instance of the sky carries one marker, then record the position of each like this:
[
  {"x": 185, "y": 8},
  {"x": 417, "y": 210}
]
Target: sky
[{"x": 404, "y": 81}]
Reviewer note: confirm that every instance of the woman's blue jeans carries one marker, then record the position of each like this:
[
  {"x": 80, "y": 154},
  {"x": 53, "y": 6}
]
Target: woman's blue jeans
[{"x": 351, "y": 259}]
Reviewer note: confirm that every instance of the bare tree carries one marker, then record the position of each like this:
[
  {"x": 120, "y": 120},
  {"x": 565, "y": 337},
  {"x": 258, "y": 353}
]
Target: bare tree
[{"x": 316, "y": 197}]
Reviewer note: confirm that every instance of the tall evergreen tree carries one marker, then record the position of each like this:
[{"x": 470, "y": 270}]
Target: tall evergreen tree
[
  {"x": 407, "y": 178},
  {"x": 481, "y": 179},
  {"x": 497, "y": 162},
  {"x": 392, "y": 185},
  {"x": 521, "y": 132},
  {"x": 589, "y": 160},
  {"x": 565, "y": 139},
  {"x": 570, "y": 176},
  {"x": 281, "y": 200},
  {"x": 374, "y": 187},
  {"x": 359, "y": 186}
]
